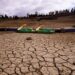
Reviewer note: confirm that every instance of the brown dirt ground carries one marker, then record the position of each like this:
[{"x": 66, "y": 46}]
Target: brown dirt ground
[{"x": 43, "y": 54}]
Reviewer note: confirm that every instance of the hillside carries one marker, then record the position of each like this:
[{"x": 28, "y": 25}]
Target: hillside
[{"x": 60, "y": 22}]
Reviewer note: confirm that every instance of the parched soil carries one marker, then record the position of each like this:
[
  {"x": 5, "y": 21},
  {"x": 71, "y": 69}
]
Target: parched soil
[{"x": 37, "y": 54}]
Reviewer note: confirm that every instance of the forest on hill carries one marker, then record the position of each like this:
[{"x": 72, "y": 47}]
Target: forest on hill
[{"x": 37, "y": 16}]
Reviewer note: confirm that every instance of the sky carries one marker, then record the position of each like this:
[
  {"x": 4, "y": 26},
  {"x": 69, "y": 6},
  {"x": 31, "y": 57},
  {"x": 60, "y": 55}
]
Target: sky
[{"x": 22, "y": 7}]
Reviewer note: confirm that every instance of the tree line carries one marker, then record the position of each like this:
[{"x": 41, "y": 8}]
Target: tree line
[{"x": 50, "y": 15}]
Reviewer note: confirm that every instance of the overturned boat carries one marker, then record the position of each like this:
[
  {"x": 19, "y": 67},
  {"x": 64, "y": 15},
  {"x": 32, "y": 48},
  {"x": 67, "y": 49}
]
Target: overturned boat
[
  {"x": 65, "y": 29},
  {"x": 8, "y": 28}
]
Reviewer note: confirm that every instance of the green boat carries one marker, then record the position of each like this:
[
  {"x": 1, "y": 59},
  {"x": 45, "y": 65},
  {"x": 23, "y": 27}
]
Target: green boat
[
  {"x": 25, "y": 30},
  {"x": 45, "y": 30}
]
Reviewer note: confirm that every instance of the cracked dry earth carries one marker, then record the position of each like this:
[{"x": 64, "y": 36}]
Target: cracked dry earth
[{"x": 44, "y": 54}]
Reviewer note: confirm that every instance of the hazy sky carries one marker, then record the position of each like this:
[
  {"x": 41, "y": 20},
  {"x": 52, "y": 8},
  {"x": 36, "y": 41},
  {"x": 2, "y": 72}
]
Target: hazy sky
[{"x": 22, "y": 7}]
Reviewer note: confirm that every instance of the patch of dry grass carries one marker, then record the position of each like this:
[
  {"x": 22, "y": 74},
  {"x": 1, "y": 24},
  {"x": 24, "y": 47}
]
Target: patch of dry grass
[{"x": 60, "y": 22}]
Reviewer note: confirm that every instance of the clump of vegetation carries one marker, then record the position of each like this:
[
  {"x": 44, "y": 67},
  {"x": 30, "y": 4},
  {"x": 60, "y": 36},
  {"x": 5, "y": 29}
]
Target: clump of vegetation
[
  {"x": 29, "y": 38},
  {"x": 73, "y": 63},
  {"x": 73, "y": 26}
]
